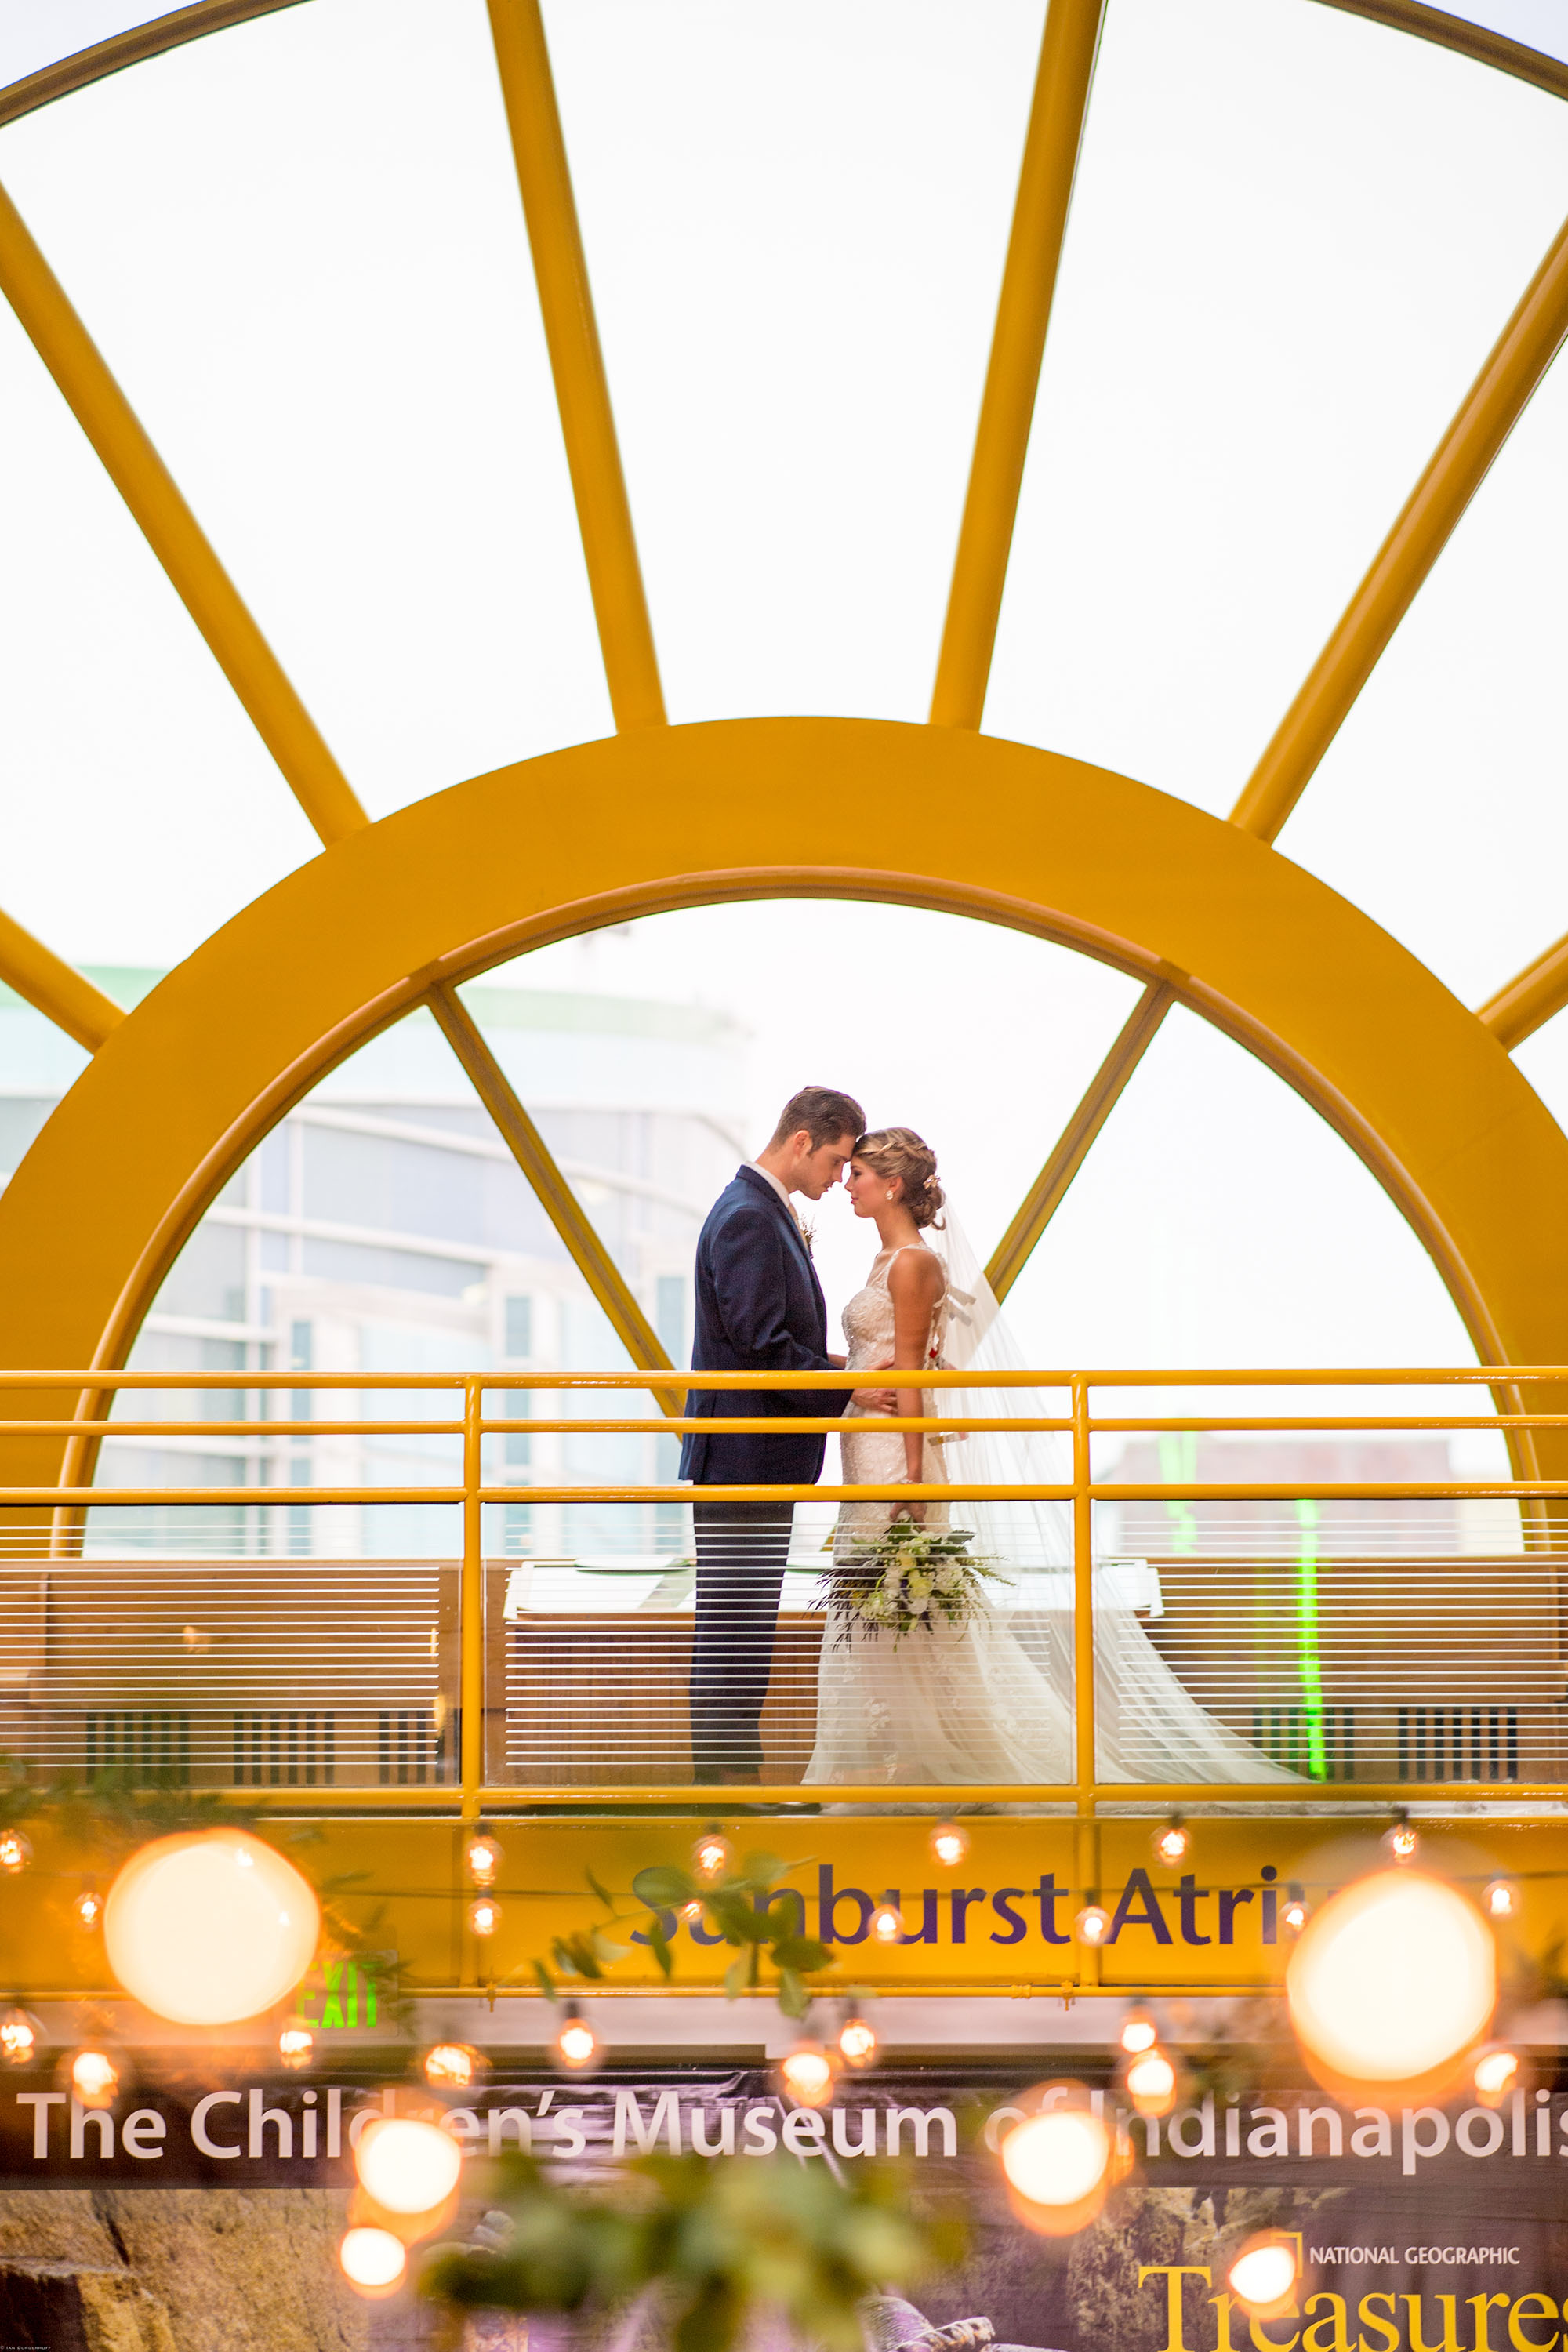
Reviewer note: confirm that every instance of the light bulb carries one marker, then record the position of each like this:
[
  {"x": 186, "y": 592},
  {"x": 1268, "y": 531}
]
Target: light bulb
[
  {"x": 949, "y": 1843},
  {"x": 1497, "y": 2072},
  {"x": 373, "y": 2260},
  {"x": 1401, "y": 1841},
  {"x": 95, "y": 2078},
  {"x": 1392, "y": 1979},
  {"x": 1093, "y": 1924},
  {"x": 406, "y": 2166},
  {"x": 15, "y": 1852},
  {"x": 857, "y": 2041},
  {"x": 711, "y": 1855},
  {"x": 886, "y": 1921},
  {"x": 1058, "y": 2164},
  {"x": 19, "y": 2038},
  {"x": 451, "y": 2065},
  {"x": 89, "y": 1908},
  {"x": 209, "y": 1926},
  {"x": 576, "y": 2044},
  {"x": 1264, "y": 2274},
  {"x": 484, "y": 1915},
  {"x": 482, "y": 1859},
  {"x": 693, "y": 1910},
  {"x": 1501, "y": 1899},
  {"x": 1171, "y": 1843},
  {"x": 807, "y": 2074},
  {"x": 1293, "y": 1913},
  {"x": 1151, "y": 2083},
  {"x": 1139, "y": 2032},
  {"x": 296, "y": 2044}
]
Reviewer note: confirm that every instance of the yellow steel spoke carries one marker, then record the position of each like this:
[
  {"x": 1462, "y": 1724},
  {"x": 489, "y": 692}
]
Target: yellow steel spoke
[
  {"x": 1018, "y": 345},
  {"x": 1105, "y": 1090},
  {"x": 55, "y": 989},
  {"x": 128, "y": 48},
  {"x": 560, "y": 1204},
  {"x": 1530, "y": 998},
  {"x": 176, "y": 539},
  {"x": 582, "y": 393},
  {"x": 1492, "y": 408},
  {"x": 1521, "y": 356}
]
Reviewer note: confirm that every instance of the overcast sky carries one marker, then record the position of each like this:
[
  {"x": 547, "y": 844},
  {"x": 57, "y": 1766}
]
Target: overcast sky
[{"x": 1295, "y": 237}]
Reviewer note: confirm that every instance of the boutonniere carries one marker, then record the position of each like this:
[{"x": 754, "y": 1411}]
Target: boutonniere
[{"x": 808, "y": 1233}]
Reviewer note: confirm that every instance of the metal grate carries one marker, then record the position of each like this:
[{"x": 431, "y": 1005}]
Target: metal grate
[
  {"x": 292, "y": 1750},
  {"x": 1459, "y": 1743},
  {"x": 151, "y": 1746},
  {"x": 1291, "y": 1736}
]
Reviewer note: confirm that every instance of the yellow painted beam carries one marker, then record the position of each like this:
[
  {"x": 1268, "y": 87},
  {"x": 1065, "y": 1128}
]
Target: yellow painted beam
[
  {"x": 1530, "y": 998},
  {"x": 1105, "y": 1090},
  {"x": 577, "y": 363},
  {"x": 1023, "y": 314},
  {"x": 172, "y": 530},
  {"x": 1487, "y": 415},
  {"x": 556, "y": 1198},
  {"x": 54, "y": 988}
]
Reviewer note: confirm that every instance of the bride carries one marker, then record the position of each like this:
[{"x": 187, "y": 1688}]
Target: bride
[{"x": 986, "y": 1696}]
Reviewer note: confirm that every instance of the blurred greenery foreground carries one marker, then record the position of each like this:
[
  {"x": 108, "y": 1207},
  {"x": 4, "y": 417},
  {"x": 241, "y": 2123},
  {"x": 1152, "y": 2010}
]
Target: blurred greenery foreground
[{"x": 692, "y": 2250}]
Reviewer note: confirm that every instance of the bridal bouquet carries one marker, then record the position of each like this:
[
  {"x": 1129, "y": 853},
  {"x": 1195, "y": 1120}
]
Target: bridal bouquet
[{"x": 910, "y": 1576}]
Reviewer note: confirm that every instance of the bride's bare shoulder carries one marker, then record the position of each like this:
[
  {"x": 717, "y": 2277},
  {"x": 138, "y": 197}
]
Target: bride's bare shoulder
[{"x": 915, "y": 1273}]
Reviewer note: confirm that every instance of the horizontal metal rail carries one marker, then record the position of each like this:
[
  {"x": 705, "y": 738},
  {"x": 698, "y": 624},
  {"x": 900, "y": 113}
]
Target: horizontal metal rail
[{"x": 469, "y": 1425}]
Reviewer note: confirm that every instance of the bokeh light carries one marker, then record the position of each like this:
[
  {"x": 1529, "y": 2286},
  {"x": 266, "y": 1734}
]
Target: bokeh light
[
  {"x": 451, "y": 2065},
  {"x": 19, "y": 2038},
  {"x": 858, "y": 2042},
  {"x": 94, "y": 2078},
  {"x": 407, "y": 2166},
  {"x": 1264, "y": 2275},
  {"x": 711, "y": 1856},
  {"x": 210, "y": 1927},
  {"x": 1392, "y": 1979},
  {"x": 373, "y": 2260},
  {"x": 15, "y": 1852},
  {"x": 949, "y": 1843},
  {"x": 807, "y": 2074},
  {"x": 296, "y": 2044},
  {"x": 1058, "y": 2165},
  {"x": 483, "y": 1858},
  {"x": 1151, "y": 2083}
]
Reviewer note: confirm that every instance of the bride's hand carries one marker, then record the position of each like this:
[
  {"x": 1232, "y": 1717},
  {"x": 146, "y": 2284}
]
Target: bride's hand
[{"x": 915, "y": 1511}]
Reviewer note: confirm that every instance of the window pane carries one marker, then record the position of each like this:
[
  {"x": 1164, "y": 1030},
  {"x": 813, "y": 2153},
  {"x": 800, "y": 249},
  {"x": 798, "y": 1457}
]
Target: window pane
[
  {"x": 1295, "y": 237},
  {"x": 795, "y": 223}
]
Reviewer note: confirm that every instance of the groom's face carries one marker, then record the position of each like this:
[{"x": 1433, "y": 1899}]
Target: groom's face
[{"x": 820, "y": 1168}]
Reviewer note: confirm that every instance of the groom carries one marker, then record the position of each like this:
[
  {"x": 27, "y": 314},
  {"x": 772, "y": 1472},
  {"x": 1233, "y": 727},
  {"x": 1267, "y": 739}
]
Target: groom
[{"x": 759, "y": 1308}]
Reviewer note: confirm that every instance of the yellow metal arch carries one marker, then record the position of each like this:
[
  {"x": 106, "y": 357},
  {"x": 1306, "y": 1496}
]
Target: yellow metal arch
[{"x": 684, "y": 816}]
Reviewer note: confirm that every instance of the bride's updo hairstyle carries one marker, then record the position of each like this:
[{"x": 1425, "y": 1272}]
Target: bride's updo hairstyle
[{"x": 898, "y": 1151}]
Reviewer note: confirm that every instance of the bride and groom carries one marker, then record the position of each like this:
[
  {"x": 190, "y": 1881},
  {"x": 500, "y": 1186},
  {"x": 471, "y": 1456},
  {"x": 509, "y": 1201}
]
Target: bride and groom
[{"x": 984, "y": 1695}]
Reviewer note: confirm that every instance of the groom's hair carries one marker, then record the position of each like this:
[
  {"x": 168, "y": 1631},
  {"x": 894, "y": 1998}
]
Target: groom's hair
[{"x": 822, "y": 1112}]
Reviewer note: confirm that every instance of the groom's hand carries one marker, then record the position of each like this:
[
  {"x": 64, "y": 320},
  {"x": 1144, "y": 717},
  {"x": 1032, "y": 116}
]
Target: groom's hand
[{"x": 877, "y": 1400}]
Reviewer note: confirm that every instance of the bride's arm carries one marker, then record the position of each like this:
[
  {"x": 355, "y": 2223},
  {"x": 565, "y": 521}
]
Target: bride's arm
[{"x": 914, "y": 1285}]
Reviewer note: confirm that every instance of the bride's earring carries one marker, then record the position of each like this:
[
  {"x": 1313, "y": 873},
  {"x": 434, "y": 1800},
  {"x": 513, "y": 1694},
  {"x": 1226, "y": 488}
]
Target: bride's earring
[{"x": 890, "y": 1192}]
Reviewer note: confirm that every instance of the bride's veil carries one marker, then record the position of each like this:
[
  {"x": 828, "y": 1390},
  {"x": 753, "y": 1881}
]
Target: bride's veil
[{"x": 1147, "y": 1726}]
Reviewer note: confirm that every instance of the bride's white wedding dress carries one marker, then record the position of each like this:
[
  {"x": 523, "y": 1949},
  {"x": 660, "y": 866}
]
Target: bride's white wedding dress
[{"x": 991, "y": 1700}]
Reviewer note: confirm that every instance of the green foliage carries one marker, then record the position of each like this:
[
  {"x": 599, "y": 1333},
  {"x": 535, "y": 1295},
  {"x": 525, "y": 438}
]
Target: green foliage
[
  {"x": 738, "y": 1907},
  {"x": 720, "y": 2240},
  {"x": 111, "y": 1811}
]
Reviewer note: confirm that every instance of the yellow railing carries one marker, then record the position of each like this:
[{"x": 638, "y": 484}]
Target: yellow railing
[{"x": 472, "y": 1424}]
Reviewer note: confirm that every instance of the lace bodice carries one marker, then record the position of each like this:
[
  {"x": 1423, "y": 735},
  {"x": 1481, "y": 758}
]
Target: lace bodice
[{"x": 868, "y": 1316}]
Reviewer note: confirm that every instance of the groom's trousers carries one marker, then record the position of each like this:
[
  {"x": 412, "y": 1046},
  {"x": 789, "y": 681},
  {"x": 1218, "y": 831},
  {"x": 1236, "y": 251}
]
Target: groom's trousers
[{"x": 742, "y": 1550}]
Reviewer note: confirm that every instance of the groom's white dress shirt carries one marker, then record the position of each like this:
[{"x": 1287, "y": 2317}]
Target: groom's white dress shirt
[{"x": 769, "y": 1178}]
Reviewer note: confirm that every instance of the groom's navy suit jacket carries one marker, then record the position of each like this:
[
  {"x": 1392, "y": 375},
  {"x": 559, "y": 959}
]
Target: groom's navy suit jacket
[{"x": 759, "y": 1308}]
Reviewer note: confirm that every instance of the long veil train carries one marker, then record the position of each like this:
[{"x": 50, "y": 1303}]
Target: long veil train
[{"x": 1147, "y": 1726}]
